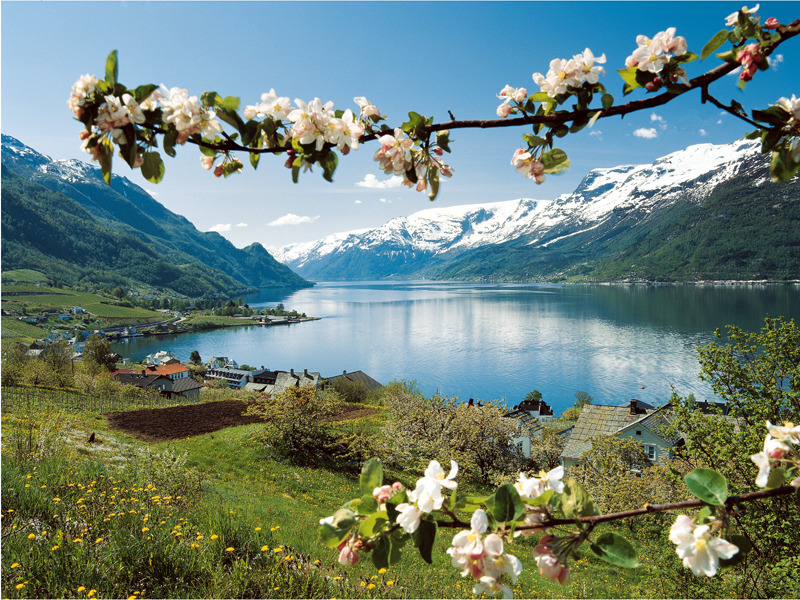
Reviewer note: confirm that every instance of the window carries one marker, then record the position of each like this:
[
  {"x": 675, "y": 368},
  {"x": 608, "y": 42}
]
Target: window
[
  {"x": 638, "y": 432},
  {"x": 650, "y": 451}
]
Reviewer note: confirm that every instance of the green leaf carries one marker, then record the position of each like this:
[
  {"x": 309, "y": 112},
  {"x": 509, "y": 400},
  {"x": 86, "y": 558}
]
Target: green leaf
[
  {"x": 770, "y": 139},
  {"x": 728, "y": 56},
  {"x": 615, "y": 549},
  {"x": 396, "y": 553},
  {"x": 540, "y": 500},
  {"x": 143, "y": 91},
  {"x": 555, "y": 161},
  {"x": 371, "y": 476},
  {"x": 424, "y": 537},
  {"x": 708, "y": 485},
  {"x": 153, "y": 167},
  {"x": 508, "y": 505},
  {"x": 629, "y": 77},
  {"x": 111, "y": 68},
  {"x": 714, "y": 43},
  {"x": 381, "y": 551},
  {"x": 540, "y": 97},
  {"x": 685, "y": 58},
  {"x": 744, "y": 546},
  {"x": 433, "y": 182},
  {"x": 561, "y": 130},
  {"x": 230, "y": 103},
  {"x": 296, "y": 168},
  {"x": 368, "y": 505},
  {"x": 704, "y": 515},
  {"x": 470, "y": 503},
  {"x": 210, "y": 99},
  {"x": 333, "y": 534},
  {"x": 608, "y": 101},
  {"x": 329, "y": 163},
  {"x": 774, "y": 115},
  {"x": 254, "y": 158},
  {"x": 415, "y": 126},
  {"x": 575, "y": 501},
  {"x": 169, "y": 141},
  {"x": 534, "y": 141},
  {"x": 443, "y": 139},
  {"x": 106, "y": 157},
  {"x": 782, "y": 168},
  {"x": 372, "y": 524}
]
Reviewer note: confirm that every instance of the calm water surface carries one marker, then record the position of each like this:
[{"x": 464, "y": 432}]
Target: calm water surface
[{"x": 494, "y": 341}]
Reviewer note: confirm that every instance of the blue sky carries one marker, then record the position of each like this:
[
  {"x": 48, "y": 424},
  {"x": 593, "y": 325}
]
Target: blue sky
[{"x": 426, "y": 57}]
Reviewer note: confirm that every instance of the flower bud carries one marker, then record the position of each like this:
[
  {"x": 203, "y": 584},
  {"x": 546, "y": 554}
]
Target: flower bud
[
  {"x": 348, "y": 556},
  {"x": 84, "y": 134},
  {"x": 138, "y": 162},
  {"x": 438, "y": 151},
  {"x": 776, "y": 453},
  {"x": 771, "y": 23},
  {"x": 397, "y": 486},
  {"x": 503, "y": 111},
  {"x": 422, "y": 185},
  {"x": 382, "y": 493},
  {"x": 345, "y": 150},
  {"x": 218, "y": 172},
  {"x": 207, "y": 162},
  {"x": 289, "y": 162}
]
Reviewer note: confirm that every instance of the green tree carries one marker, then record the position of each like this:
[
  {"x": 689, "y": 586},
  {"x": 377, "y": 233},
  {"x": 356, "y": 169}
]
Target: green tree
[
  {"x": 194, "y": 357},
  {"x": 165, "y": 303},
  {"x": 582, "y": 399},
  {"x": 58, "y": 361},
  {"x": 533, "y": 396},
  {"x": 296, "y": 424},
  {"x": 757, "y": 375},
  {"x": 97, "y": 354},
  {"x": 118, "y": 292},
  {"x": 479, "y": 439}
]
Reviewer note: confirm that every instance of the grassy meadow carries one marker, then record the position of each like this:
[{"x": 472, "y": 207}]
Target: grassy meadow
[{"x": 211, "y": 516}]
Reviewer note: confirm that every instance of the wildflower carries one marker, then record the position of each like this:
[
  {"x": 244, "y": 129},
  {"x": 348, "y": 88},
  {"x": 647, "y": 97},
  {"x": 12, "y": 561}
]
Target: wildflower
[
  {"x": 145, "y": 529},
  {"x": 20, "y": 586},
  {"x": 54, "y": 548},
  {"x": 229, "y": 549},
  {"x": 699, "y": 551},
  {"x": 81, "y": 588},
  {"x": 15, "y": 565},
  {"x": 215, "y": 536},
  {"x": 264, "y": 548},
  {"x": 31, "y": 536}
]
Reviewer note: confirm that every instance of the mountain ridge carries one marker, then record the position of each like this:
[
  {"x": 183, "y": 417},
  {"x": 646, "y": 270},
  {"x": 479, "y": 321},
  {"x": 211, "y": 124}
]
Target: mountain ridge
[
  {"x": 588, "y": 234},
  {"x": 192, "y": 262}
]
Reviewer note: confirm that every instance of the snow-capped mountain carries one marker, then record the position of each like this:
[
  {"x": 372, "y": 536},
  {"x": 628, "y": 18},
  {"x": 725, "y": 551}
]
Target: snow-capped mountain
[{"x": 430, "y": 241}]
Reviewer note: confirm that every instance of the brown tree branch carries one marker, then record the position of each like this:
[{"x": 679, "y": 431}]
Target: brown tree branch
[
  {"x": 648, "y": 509},
  {"x": 701, "y": 82}
]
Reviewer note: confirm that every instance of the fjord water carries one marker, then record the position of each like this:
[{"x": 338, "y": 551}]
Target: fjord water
[{"x": 497, "y": 341}]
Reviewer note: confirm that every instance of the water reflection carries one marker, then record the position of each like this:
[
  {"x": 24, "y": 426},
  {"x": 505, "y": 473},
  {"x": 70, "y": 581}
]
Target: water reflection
[{"x": 497, "y": 340}]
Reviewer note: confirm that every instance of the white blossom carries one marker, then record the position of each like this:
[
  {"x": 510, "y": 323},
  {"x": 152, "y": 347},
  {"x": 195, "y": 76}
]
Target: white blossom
[
  {"x": 700, "y": 552},
  {"x": 732, "y": 20}
]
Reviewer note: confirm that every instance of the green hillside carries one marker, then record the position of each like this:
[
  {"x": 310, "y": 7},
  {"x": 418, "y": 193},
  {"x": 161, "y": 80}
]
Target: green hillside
[{"x": 77, "y": 229}]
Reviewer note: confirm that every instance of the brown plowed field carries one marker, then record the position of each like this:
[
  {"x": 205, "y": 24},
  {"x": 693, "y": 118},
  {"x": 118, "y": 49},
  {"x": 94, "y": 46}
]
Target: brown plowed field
[{"x": 179, "y": 422}]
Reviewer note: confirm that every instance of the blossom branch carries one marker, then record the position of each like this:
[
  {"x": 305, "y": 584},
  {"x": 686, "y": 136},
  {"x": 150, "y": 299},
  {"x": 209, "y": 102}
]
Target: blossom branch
[{"x": 648, "y": 509}]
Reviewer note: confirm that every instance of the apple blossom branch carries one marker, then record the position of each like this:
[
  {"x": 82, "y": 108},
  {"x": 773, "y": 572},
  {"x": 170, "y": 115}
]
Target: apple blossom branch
[
  {"x": 701, "y": 82},
  {"x": 646, "y": 510}
]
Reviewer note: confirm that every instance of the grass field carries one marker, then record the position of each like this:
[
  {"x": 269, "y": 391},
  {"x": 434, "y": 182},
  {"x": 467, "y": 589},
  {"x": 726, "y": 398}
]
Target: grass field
[
  {"x": 38, "y": 298},
  {"x": 24, "y": 276},
  {"x": 14, "y": 330},
  {"x": 93, "y": 520}
]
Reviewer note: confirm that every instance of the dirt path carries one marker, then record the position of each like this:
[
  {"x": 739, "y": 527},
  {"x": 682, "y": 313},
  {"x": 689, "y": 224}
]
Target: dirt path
[{"x": 179, "y": 422}]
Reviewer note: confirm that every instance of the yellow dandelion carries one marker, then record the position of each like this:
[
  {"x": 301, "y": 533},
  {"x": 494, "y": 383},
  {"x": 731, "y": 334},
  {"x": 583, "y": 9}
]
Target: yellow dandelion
[
  {"x": 77, "y": 541},
  {"x": 54, "y": 548},
  {"x": 31, "y": 536},
  {"x": 381, "y": 571},
  {"x": 276, "y": 589},
  {"x": 370, "y": 586},
  {"x": 91, "y": 593},
  {"x": 20, "y": 586},
  {"x": 145, "y": 529},
  {"x": 131, "y": 597},
  {"x": 363, "y": 584},
  {"x": 337, "y": 578},
  {"x": 316, "y": 562},
  {"x": 215, "y": 536},
  {"x": 258, "y": 528},
  {"x": 199, "y": 537},
  {"x": 15, "y": 565},
  {"x": 391, "y": 582},
  {"x": 229, "y": 549},
  {"x": 98, "y": 540},
  {"x": 81, "y": 588},
  {"x": 278, "y": 550},
  {"x": 264, "y": 548}
]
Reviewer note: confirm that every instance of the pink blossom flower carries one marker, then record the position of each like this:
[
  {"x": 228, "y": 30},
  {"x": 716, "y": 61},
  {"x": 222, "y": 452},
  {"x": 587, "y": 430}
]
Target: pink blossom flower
[
  {"x": 348, "y": 556},
  {"x": 207, "y": 162},
  {"x": 771, "y": 23},
  {"x": 504, "y": 110},
  {"x": 382, "y": 494},
  {"x": 732, "y": 20}
]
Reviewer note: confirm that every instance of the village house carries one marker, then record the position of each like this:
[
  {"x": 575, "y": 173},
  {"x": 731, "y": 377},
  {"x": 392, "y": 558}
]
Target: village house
[
  {"x": 174, "y": 371},
  {"x": 359, "y": 376},
  {"x": 274, "y": 382},
  {"x": 160, "y": 358},
  {"x": 635, "y": 419},
  {"x": 236, "y": 378}
]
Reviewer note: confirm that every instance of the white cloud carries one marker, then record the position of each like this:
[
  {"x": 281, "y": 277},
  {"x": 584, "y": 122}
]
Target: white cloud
[
  {"x": 292, "y": 219},
  {"x": 646, "y": 133},
  {"x": 220, "y": 227},
  {"x": 719, "y": 122},
  {"x": 776, "y": 60},
  {"x": 358, "y": 201},
  {"x": 370, "y": 181},
  {"x": 385, "y": 201},
  {"x": 598, "y": 133},
  {"x": 241, "y": 224},
  {"x": 655, "y": 117},
  {"x": 703, "y": 132}
]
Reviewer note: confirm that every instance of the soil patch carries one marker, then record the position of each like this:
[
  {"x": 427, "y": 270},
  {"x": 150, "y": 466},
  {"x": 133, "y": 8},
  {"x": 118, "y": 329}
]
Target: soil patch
[{"x": 180, "y": 422}]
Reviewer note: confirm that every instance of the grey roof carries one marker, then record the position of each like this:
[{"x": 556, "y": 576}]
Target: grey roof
[
  {"x": 185, "y": 384},
  {"x": 600, "y": 420},
  {"x": 138, "y": 379},
  {"x": 526, "y": 420},
  {"x": 371, "y": 384},
  {"x": 658, "y": 422}
]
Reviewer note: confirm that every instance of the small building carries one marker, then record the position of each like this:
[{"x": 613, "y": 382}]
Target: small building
[
  {"x": 359, "y": 376},
  {"x": 162, "y": 357},
  {"x": 275, "y": 382},
  {"x": 174, "y": 371},
  {"x": 186, "y": 387},
  {"x": 600, "y": 420},
  {"x": 152, "y": 381}
]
